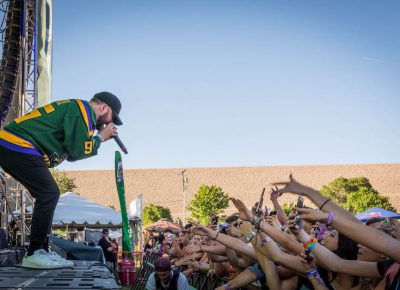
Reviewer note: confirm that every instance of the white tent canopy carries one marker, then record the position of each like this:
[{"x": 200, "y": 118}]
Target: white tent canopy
[{"x": 73, "y": 209}]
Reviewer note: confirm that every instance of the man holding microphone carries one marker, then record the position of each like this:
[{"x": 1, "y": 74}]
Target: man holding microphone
[{"x": 42, "y": 139}]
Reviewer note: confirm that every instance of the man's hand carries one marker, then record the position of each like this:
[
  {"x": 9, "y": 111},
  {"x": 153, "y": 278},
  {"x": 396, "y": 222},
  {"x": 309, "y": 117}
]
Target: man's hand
[{"x": 109, "y": 131}]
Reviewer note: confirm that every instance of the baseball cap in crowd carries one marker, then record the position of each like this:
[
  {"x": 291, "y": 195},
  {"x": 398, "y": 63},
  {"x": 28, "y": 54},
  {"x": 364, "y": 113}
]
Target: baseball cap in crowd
[
  {"x": 162, "y": 264},
  {"x": 105, "y": 231},
  {"x": 113, "y": 102}
]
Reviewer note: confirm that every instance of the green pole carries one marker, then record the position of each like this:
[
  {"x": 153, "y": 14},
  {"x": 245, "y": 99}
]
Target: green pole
[{"x": 119, "y": 178}]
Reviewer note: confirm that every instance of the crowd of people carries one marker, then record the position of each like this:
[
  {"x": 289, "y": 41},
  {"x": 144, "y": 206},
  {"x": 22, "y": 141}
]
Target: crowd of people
[{"x": 324, "y": 247}]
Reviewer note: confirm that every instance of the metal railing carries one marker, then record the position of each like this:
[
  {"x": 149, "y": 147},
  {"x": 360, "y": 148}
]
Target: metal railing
[
  {"x": 143, "y": 273},
  {"x": 197, "y": 280}
]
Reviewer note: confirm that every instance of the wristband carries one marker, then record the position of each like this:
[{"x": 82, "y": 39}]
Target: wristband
[
  {"x": 199, "y": 263},
  {"x": 313, "y": 274},
  {"x": 310, "y": 244},
  {"x": 330, "y": 218},
  {"x": 226, "y": 286},
  {"x": 265, "y": 240}
]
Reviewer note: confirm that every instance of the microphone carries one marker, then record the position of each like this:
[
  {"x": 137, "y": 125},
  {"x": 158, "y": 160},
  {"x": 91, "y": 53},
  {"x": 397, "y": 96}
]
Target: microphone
[{"x": 120, "y": 144}]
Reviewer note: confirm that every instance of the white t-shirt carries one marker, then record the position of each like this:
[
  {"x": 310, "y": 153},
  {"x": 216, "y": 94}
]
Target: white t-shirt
[{"x": 182, "y": 283}]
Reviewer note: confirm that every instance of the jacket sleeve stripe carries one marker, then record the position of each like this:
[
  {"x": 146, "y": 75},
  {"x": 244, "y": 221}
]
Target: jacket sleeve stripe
[{"x": 85, "y": 112}]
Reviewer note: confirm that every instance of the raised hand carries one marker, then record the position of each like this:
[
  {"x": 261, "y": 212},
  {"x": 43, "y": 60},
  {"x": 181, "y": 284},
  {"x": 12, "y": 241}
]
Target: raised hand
[
  {"x": 291, "y": 186},
  {"x": 308, "y": 261},
  {"x": 244, "y": 213},
  {"x": 274, "y": 194},
  {"x": 190, "y": 249},
  {"x": 273, "y": 221}
]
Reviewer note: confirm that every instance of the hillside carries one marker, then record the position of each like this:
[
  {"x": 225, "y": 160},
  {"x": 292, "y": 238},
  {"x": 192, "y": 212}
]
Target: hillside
[{"x": 164, "y": 186}]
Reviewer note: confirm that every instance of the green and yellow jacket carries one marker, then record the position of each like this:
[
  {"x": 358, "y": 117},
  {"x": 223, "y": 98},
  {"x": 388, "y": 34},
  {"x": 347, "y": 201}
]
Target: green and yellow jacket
[{"x": 58, "y": 131}]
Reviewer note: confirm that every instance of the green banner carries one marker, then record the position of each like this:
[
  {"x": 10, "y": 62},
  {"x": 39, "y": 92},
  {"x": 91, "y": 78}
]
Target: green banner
[{"x": 119, "y": 178}]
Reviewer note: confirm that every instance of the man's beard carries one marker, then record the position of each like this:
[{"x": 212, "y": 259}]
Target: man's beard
[{"x": 100, "y": 124}]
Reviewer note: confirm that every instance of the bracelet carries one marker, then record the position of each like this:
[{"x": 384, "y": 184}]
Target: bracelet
[
  {"x": 310, "y": 244},
  {"x": 246, "y": 222},
  {"x": 313, "y": 274},
  {"x": 226, "y": 286},
  {"x": 216, "y": 236},
  {"x": 325, "y": 202},
  {"x": 330, "y": 218},
  {"x": 265, "y": 240},
  {"x": 250, "y": 236}
]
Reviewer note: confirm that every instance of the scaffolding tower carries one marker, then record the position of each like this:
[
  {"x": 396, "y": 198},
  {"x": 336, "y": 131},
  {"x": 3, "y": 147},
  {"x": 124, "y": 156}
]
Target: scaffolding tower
[{"x": 18, "y": 96}]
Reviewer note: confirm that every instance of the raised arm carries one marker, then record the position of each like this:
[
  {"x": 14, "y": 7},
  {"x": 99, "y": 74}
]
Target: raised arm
[
  {"x": 358, "y": 232},
  {"x": 280, "y": 213},
  {"x": 324, "y": 203},
  {"x": 334, "y": 263},
  {"x": 230, "y": 242}
]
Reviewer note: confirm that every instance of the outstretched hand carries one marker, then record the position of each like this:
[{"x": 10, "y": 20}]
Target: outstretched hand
[
  {"x": 191, "y": 249},
  {"x": 312, "y": 215},
  {"x": 200, "y": 229},
  {"x": 244, "y": 213},
  {"x": 291, "y": 186}
]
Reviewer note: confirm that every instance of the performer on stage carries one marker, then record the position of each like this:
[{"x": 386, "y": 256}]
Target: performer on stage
[{"x": 44, "y": 138}]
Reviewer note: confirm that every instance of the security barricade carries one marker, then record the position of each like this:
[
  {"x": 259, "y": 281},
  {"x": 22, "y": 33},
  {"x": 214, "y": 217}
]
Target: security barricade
[{"x": 143, "y": 273}]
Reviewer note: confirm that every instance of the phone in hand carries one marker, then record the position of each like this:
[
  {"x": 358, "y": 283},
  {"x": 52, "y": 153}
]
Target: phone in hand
[
  {"x": 299, "y": 204},
  {"x": 222, "y": 228},
  {"x": 214, "y": 220},
  {"x": 258, "y": 210}
]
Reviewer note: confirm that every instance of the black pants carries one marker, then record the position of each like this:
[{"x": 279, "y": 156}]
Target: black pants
[{"x": 32, "y": 172}]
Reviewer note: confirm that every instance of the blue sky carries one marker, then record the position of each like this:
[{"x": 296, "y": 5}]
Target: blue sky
[{"x": 236, "y": 83}]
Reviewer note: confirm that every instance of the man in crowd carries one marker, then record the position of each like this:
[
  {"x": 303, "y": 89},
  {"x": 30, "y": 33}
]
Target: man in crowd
[
  {"x": 164, "y": 278},
  {"x": 44, "y": 138},
  {"x": 108, "y": 249}
]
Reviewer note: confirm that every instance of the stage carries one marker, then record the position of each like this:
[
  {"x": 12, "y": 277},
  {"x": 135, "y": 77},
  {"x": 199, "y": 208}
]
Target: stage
[{"x": 84, "y": 275}]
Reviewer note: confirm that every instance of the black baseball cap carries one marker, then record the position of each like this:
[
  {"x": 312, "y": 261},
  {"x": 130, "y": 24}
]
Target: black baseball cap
[
  {"x": 113, "y": 102},
  {"x": 104, "y": 231}
]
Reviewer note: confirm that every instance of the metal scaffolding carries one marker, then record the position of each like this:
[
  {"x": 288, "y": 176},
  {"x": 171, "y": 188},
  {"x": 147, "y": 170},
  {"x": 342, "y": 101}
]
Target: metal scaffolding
[
  {"x": 18, "y": 77},
  {"x": 28, "y": 45}
]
